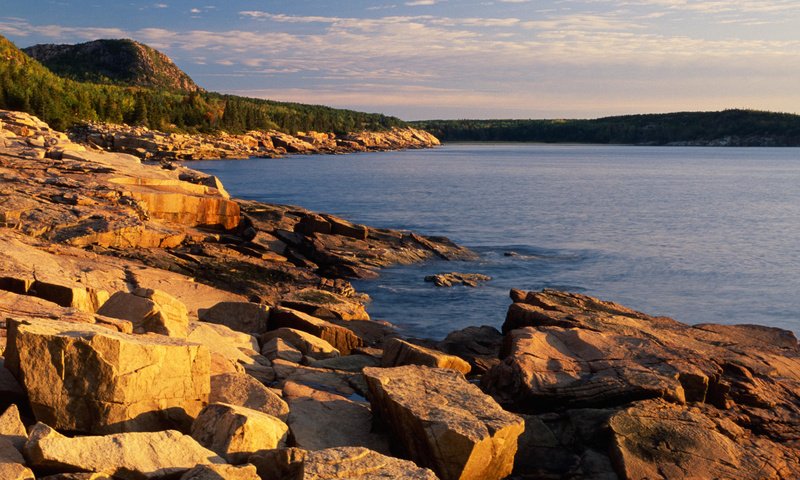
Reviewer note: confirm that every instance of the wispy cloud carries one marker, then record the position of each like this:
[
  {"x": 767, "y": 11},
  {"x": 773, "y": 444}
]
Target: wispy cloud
[{"x": 420, "y": 3}]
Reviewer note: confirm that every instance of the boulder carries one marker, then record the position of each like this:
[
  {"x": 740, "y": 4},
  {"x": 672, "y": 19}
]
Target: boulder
[
  {"x": 12, "y": 429},
  {"x": 398, "y": 352},
  {"x": 281, "y": 463},
  {"x": 358, "y": 463},
  {"x": 445, "y": 422},
  {"x": 78, "y": 476},
  {"x": 236, "y": 347},
  {"x": 341, "y": 338},
  {"x": 221, "y": 472},
  {"x": 245, "y": 391},
  {"x": 279, "y": 348},
  {"x": 480, "y": 346},
  {"x": 240, "y": 316},
  {"x": 323, "y": 419},
  {"x": 655, "y": 439},
  {"x": 11, "y": 392},
  {"x": 12, "y": 464},
  {"x": 86, "y": 378},
  {"x": 150, "y": 311},
  {"x": 235, "y": 433},
  {"x": 325, "y": 304},
  {"x": 307, "y": 343},
  {"x": 134, "y": 455}
]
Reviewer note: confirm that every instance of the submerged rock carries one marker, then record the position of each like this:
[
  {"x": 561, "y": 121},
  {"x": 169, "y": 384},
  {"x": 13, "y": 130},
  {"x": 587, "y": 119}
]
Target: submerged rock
[{"x": 455, "y": 278}]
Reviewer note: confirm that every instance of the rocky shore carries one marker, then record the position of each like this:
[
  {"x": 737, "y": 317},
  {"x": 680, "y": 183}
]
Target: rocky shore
[
  {"x": 151, "y": 327},
  {"x": 154, "y": 145}
]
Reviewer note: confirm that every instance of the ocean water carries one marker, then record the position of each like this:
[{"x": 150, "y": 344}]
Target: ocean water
[{"x": 697, "y": 234}]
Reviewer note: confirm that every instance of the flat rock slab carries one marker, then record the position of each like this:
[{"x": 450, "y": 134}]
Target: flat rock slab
[
  {"x": 445, "y": 422},
  {"x": 87, "y": 378},
  {"x": 134, "y": 455},
  {"x": 355, "y": 463}
]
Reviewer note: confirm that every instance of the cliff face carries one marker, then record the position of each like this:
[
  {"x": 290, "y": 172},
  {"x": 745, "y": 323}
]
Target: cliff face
[{"x": 113, "y": 61}]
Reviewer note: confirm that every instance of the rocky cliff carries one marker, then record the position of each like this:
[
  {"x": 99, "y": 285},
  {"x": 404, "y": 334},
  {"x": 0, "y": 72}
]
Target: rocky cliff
[
  {"x": 152, "y": 327},
  {"x": 123, "y": 62}
]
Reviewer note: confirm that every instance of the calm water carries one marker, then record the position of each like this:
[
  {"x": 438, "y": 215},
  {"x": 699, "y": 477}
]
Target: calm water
[{"x": 697, "y": 234}]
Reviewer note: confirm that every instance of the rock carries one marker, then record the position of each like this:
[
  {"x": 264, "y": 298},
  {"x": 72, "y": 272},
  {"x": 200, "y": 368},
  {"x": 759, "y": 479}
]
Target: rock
[
  {"x": 323, "y": 419},
  {"x": 149, "y": 311},
  {"x": 455, "y": 278},
  {"x": 281, "y": 463},
  {"x": 86, "y": 378},
  {"x": 654, "y": 439},
  {"x": 12, "y": 429},
  {"x": 240, "y": 316},
  {"x": 358, "y": 463},
  {"x": 350, "y": 363},
  {"x": 221, "y": 472},
  {"x": 679, "y": 400},
  {"x": 77, "y": 476},
  {"x": 307, "y": 343},
  {"x": 12, "y": 464},
  {"x": 143, "y": 455},
  {"x": 398, "y": 352},
  {"x": 236, "y": 347},
  {"x": 480, "y": 346},
  {"x": 278, "y": 348},
  {"x": 445, "y": 422},
  {"x": 10, "y": 390},
  {"x": 325, "y": 305},
  {"x": 340, "y": 338},
  {"x": 244, "y": 391},
  {"x": 235, "y": 433}
]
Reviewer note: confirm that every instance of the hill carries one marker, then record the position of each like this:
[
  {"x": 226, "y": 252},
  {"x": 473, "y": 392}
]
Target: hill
[
  {"x": 27, "y": 85},
  {"x": 728, "y": 127},
  {"x": 121, "y": 62}
]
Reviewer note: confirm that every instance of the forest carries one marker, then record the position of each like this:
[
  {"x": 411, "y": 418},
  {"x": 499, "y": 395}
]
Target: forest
[
  {"x": 727, "y": 127},
  {"x": 26, "y": 85}
]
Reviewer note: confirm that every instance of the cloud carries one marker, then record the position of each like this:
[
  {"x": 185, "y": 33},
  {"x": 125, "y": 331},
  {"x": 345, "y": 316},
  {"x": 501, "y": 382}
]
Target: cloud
[
  {"x": 419, "y": 3},
  {"x": 160, "y": 5}
]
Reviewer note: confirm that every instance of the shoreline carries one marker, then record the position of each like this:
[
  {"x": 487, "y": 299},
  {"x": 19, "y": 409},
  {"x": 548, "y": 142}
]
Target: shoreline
[{"x": 236, "y": 320}]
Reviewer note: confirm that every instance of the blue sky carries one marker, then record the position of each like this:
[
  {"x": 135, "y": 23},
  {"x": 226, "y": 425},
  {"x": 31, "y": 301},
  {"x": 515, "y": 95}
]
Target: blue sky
[{"x": 422, "y": 59}]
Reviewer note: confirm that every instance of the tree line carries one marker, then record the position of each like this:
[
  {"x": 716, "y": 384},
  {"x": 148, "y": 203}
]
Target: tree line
[
  {"x": 28, "y": 86},
  {"x": 733, "y": 127}
]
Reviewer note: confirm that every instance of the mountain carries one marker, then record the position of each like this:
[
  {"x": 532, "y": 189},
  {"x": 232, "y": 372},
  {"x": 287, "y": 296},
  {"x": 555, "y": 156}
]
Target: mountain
[
  {"x": 27, "y": 85},
  {"x": 734, "y": 127},
  {"x": 119, "y": 62}
]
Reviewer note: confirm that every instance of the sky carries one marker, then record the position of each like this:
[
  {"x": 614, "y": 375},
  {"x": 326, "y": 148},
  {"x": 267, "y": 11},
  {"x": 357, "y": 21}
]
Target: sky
[{"x": 445, "y": 59}]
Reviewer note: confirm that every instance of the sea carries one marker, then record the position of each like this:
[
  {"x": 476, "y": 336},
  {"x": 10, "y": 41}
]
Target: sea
[{"x": 699, "y": 234}]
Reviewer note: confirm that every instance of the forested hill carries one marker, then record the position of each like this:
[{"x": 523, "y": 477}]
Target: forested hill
[
  {"x": 728, "y": 127},
  {"x": 27, "y": 85},
  {"x": 120, "y": 62}
]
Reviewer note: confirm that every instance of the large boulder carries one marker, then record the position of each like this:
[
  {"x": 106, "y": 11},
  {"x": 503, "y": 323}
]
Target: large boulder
[
  {"x": 343, "y": 339},
  {"x": 398, "y": 352},
  {"x": 310, "y": 345},
  {"x": 445, "y": 422},
  {"x": 235, "y": 433},
  {"x": 245, "y": 391},
  {"x": 86, "y": 378},
  {"x": 674, "y": 400},
  {"x": 150, "y": 311},
  {"x": 240, "y": 316},
  {"x": 134, "y": 455}
]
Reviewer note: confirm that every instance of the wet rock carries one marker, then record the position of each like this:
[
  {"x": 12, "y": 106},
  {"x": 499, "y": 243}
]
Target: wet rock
[
  {"x": 455, "y": 278},
  {"x": 398, "y": 352},
  {"x": 245, "y": 391},
  {"x": 445, "y": 422},
  {"x": 240, "y": 316},
  {"x": 85, "y": 378},
  {"x": 235, "y": 433},
  {"x": 142, "y": 455}
]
